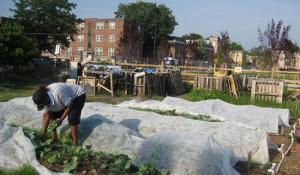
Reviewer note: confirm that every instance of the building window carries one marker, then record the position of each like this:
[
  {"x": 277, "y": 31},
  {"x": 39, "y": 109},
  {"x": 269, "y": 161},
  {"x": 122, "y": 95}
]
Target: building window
[
  {"x": 80, "y": 38},
  {"x": 69, "y": 51},
  {"x": 81, "y": 25},
  {"x": 111, "y": 38},
  {"x": 99, "y": 38},
  {"x": 99, "y": 25},
  {"x": 112, "y": 25},
  {"x": 79, "y": 50},
  {"x": 99, "y": 51},
  {"x": 111, "y": 52}
]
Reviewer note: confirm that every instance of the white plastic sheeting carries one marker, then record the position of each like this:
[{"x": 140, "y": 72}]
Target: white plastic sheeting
[
  {"x": 246, "y": 143},
  {"x": 16, "y": 150},
  {"x": 266, "y": 119},
  {"x": 186, "y": 153},
  {"x": 119, "y": 129}
]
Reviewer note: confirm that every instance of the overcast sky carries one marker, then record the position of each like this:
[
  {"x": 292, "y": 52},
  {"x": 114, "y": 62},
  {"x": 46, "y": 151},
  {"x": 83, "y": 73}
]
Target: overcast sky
[{"x": 241, "y": 18}]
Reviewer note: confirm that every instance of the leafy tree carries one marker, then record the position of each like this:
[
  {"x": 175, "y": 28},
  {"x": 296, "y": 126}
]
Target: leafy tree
[
  {"x": 47, "y": 22},
  {"x": 131, "y": 40},
  {"x": 273, "y": 42},
  {"x": 236, "y": 46},
  {"x": 16, "y": 49},
  {"x": 223, "y": 52},
  {"x": 157, "y": 20},
  {"x": 192, "y": 36},
  {"x": 197, "y": 46},
  {"x": 163, "y": 49}
]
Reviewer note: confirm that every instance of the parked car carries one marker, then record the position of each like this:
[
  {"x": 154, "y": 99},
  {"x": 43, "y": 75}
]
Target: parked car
[
  {"x": 170, "y": 61},
  {"x": 251, "y": 67},
  {"x": 41, "y": 60}
]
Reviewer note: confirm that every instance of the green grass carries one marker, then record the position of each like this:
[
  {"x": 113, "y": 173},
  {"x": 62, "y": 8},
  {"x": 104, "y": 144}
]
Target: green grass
[
  {"x": 24, "y": 170},
  {"x": 173, "y": 113},
  {"x": 244, "y": 99}
]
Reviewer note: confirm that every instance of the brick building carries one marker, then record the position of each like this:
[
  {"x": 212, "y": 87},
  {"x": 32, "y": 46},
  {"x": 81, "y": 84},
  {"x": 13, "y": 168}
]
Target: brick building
[{"x": 98, "y": 36}]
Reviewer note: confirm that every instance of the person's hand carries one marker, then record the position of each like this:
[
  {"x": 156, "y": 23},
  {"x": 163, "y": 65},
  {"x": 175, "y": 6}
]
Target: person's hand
[{"x": 58, "y": 122}]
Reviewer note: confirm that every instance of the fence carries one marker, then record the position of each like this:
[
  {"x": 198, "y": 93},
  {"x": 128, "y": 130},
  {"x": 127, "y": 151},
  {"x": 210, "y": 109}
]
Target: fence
[{"x": 267, "y": 90}]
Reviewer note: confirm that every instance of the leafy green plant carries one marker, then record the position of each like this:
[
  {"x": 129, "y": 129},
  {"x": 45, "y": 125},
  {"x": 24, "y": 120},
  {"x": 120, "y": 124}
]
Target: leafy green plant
[
  {"x": 24, "y": 170},
  {"x": 62, "y": 156}
]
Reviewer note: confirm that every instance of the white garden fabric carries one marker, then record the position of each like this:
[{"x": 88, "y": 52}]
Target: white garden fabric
[
  {"x": 184, "y": 146},
  {"x": 16, "y": 150},
  {"x": 266, "y": 119}
]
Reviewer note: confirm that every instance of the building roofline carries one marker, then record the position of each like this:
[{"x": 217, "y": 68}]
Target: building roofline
[{"x": 101, "y": 19}]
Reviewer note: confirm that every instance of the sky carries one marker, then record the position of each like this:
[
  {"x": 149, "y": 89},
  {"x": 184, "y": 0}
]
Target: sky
[{"x": 240, "y": 18}]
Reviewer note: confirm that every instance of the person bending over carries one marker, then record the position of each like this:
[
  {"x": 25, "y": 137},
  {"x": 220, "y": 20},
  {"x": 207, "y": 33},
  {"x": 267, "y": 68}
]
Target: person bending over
[{"x": 58, "y": 101}]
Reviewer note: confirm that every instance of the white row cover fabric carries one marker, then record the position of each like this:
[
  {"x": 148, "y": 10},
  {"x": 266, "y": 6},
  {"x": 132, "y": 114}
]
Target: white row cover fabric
[
  {"x": 187, "y": 153},
  {"x": 246, "y": 143},
  {"x": 16, "y": 150},
  {"x": 118, "y": 129},
  {"x": 266, "y": 119}
]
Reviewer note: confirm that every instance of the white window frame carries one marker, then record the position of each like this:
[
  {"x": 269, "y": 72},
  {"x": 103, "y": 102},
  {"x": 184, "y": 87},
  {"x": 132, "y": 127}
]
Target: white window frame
[
  {"x": 112, "y": 25},
  {"x": 79, "y": 49},
  {"x": 99, "y": 51},
  {"x": 69, "y": 51},
  {"x": 80, "y": 38},
  {"x": 111, "y": 38},
  {"x": 81, "y": 25},
  {"x": 111, "y": 51},
  {"x": 99, "y": 38},
  {"x": 99, "y": 25}
]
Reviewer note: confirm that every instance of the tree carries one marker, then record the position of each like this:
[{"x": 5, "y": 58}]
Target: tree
[
  {"x": 192, "y": 36},
  {"x": 47, "y": 22},
  {"x": 131, "y": 40},
  {"x": 275, "y": 41},
  {"x": 197, "y": 47},
  {"x": 236, "y": 46},
  {"x": 16, "y": 49},
  {"x": 157, "y": 20},
  {"x": 223, "y": 52}
]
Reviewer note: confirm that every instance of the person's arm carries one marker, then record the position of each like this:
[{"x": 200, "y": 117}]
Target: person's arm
[
  {"x": 64, "y": 115},
  {"x": 45, "y": 123}
]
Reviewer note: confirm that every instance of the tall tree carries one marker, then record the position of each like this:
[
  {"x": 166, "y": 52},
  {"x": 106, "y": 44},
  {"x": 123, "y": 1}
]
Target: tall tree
[
  {"x": 223, "y": 52},
  {"x": 273, "y": 42},
  {"x": 197, "y": 47},
  {"x": 236, "y": 46},
  {"x": 157, "y": 20},
  {"x": 16, "y": 49},
  {"x": 192, "y": 36},
  {"x": 47, "y": 22},
  {"x": 131, "y": 40}
]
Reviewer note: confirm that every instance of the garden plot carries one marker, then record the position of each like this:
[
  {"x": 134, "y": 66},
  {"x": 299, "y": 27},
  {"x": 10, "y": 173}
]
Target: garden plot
[
  {"x": 266, "y": 119},
  {"x": 103, "y": 133},
  {"x": 16, "y": 150},
  {"x": 246, "y": 143}
]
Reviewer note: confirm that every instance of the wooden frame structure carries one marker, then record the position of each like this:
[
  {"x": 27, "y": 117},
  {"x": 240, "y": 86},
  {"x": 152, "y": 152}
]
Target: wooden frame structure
[
  {"x": 267, "y": 90},
  {"x": 97, "y": 82}
]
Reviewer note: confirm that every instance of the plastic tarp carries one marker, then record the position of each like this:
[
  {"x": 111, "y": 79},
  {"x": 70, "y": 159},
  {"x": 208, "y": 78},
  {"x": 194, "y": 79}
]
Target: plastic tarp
[
  {"x": 120, "y": 129},
  {"x": 169, "y": 151},
  {"x": 266, "y": 119},
  {"x": 246, "y": 143}
]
